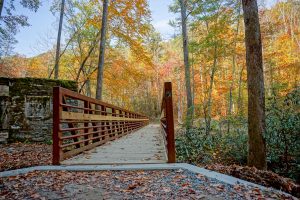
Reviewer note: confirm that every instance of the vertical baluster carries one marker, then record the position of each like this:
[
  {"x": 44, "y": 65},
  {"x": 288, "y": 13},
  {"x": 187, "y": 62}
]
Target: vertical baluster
[
  {"x": 120, "y": 128},
  {"x": 104, "y": 125},
  {"x": 86, "y": 124},
  {"x": 113, "y": 124},
  {"x": 126, "y": 123}
]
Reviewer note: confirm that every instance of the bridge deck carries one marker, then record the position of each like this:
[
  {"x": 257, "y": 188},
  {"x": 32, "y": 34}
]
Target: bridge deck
[{"x": 143, "y": 146}]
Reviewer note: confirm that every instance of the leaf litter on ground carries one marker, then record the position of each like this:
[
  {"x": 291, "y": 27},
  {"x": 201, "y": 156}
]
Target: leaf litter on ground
[{"x": 159, "y": 184}]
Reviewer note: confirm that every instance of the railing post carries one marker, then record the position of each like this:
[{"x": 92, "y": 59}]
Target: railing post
[
  {"x": 169, "y": 122},
  {"x": 57, "y": 100}
]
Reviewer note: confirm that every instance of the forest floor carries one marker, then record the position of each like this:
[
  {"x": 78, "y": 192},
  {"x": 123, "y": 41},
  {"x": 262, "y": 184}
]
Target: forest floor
[
  {"x": 18, "y": 155},
  {"x": 163, "y": 184}
]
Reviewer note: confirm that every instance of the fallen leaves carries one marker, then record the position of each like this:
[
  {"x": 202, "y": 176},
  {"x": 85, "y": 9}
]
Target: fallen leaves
[
  {"x": 219, "y": 187},
  {"x": 134, "y": 185},
  {"x": 261, "y": 177},
  {"x": 159, "y": 184},
  {"x": 19, "y": 155}
]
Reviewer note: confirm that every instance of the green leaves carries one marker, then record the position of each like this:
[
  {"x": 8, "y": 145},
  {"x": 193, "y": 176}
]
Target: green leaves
[
  {"x": 198, "y": 147},
  {"x": 31, "y": 4},
  {"x": 283, "y": 133}
]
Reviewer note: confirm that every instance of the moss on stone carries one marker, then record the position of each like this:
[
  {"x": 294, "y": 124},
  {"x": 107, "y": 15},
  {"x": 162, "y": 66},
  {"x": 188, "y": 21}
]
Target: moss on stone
[{"x": 22, "y": 90}]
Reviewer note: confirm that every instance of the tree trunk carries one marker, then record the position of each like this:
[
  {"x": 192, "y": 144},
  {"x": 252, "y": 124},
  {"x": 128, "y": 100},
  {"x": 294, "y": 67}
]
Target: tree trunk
[
  {"x": 1, "y": 6},
  {"x": 233, "y": 71},
  {"x": 190, "y": 109},
  {"x": 255, "y": 82},
  {"x": 57, "y": 55},
  {"x": 209, "y": 100},
  {"x": 240, "y": 98},
  {"x": 102, "y": 51},
  {"x": 179, "y": 107},
  {"x": 87, "y": 56},
  {"x": 193, "y": 89}
]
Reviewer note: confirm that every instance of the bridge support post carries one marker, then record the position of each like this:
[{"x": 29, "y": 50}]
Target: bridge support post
[
  {"x": 167, "y": 107},
  {"x": 56, "y": 151}
]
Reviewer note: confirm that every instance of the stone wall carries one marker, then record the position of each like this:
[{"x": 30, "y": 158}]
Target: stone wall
[{"x": 26, "y": 108}]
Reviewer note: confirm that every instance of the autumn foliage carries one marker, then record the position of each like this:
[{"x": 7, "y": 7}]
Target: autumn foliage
[{"x": 138, "y": 61}]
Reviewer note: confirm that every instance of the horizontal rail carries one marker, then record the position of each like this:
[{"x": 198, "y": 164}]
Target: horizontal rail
[
  {"x": 81, "y": 123},
  {"x": 167, "y": 121},
  {"x": 90, "y": 117}
]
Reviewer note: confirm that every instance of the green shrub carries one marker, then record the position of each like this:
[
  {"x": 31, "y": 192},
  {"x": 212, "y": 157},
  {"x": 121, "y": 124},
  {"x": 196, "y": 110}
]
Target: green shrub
[
  {"x": 230, "y": 147},
  {"x": 197, "y": 147},
  {"x": 283, "y": 134}
]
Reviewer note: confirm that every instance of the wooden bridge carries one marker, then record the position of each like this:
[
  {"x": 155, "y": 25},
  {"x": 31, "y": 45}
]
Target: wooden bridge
[{"x": 89, "y": 131}]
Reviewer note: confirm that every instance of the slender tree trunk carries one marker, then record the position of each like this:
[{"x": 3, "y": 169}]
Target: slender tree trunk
[
  {"x": 57, "y": 55},
  {"x": 255, "y": 82},
  {"x": 193, "y": 89},
  {"x": 1, "y": 6},
  {"x": 87, "y": 56},
  {"x": 159, "y": 98},
  {"x": 209, "y": 100},
  {"x": 179, "y": 117},
  {"x": 88, "y": 87},
  {"x": 240, "y": 98},
  {"x": 201, "y": 82},
  {"x": 186, "y": 63},
  {"x": 233, "y": 71},
  {"x": 102, "y": 51}
]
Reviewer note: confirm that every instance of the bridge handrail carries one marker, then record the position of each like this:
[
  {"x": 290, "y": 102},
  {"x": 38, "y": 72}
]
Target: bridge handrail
[
  {"x": 167, "y": 121},
  {"x": 81, "y": 123}
]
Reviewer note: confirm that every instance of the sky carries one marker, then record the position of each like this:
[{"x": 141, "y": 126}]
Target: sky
[{"x": 38, "y": 37}]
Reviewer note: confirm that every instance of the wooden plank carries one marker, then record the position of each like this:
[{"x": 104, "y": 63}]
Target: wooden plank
[
  {"x": 143, "y": 146},
  {"x": 92, "y": 117},
  {"x": 88, "y": 139},
  {"x": 80, "y": 150}
]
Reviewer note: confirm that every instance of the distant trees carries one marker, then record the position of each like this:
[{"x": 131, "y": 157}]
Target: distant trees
[
  {"x": 127, "y": 25},
  {"x": 215, "y": 29},
  {"x": 255, "y": 80}
]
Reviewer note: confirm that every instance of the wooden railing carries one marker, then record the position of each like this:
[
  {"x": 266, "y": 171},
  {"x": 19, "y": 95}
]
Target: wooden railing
[
  {"x": 81, "y": 123},
  {"x": 167, "y": 121}
]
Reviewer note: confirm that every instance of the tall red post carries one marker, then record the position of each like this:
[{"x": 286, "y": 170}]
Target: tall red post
[
  {"x": 169, "y": 122},
  {"x": 57, "y": 99}
]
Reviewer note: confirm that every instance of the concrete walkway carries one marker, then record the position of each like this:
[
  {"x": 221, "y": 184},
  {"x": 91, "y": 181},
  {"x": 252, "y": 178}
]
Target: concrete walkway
[{"x": 141, "y": 147}]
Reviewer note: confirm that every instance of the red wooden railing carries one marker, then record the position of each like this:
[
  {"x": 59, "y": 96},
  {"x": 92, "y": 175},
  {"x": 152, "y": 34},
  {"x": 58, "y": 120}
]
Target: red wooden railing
[
  {"x": 167, "y": 121},
  {"x": 81, "y": 123}
]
